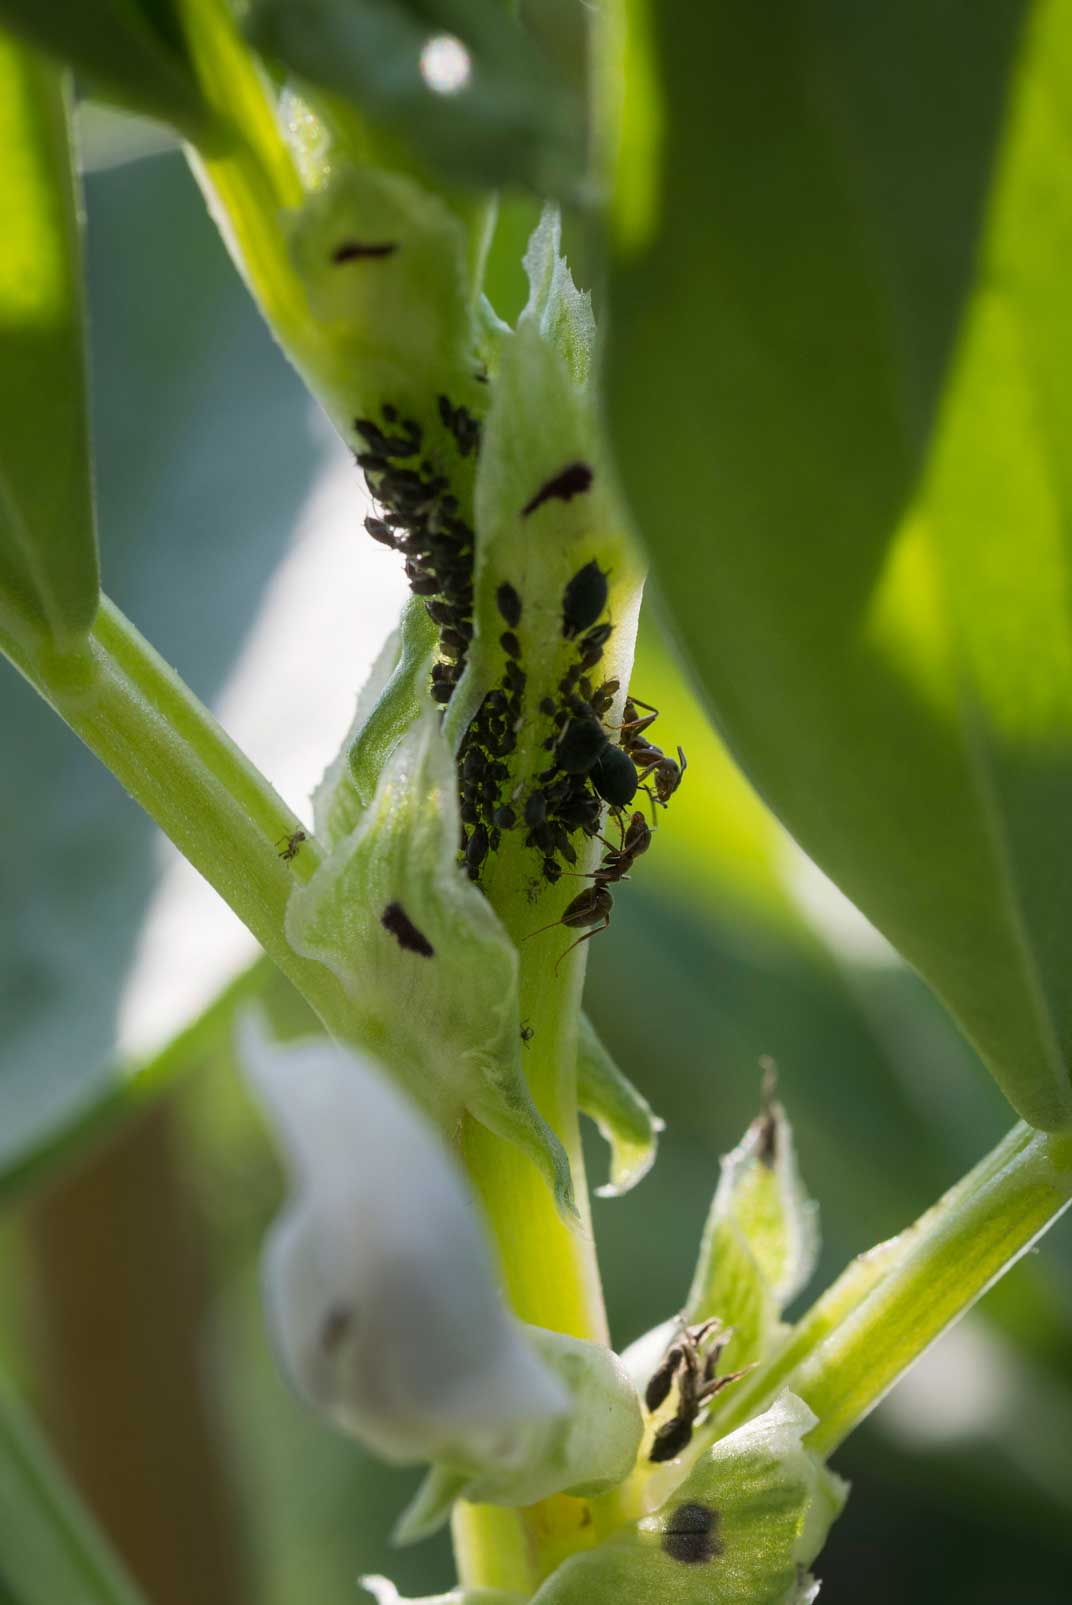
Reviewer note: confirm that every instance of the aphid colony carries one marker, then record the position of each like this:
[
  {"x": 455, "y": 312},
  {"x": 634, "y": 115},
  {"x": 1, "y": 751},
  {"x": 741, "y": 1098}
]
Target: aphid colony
[{"x": 419, "y": 515}]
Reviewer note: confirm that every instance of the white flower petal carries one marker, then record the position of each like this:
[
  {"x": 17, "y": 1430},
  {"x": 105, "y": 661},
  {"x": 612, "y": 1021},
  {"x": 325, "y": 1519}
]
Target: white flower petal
[{"x": 378, "y": 1277}]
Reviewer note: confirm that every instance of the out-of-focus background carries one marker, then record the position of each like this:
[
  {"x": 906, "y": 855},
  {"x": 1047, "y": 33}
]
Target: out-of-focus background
[{"x": 129, "y": 1308}]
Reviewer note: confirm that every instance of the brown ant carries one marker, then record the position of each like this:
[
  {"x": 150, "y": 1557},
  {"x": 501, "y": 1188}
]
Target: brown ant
[
  {"x": 618, "y": 861},
  {"x": 293, "y": 844},
  {"x": 691, "y": 1361},
  {"x": 651, "y": 760},
  {"x": 663, "y": 771},
  {"x": 590, "y": 907}
]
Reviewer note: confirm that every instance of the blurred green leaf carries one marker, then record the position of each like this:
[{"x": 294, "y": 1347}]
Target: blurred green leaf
[
  {"x": 49, "y": 584},
  {"x": 133, "y": 52},
  {"x": 189, "y": 451},
  {"x": 625, "y": 1119},
  {"x": 50, "y": 1550},
  {"x": 860, "y": 283},
  {"x": 507, "y": 119}
]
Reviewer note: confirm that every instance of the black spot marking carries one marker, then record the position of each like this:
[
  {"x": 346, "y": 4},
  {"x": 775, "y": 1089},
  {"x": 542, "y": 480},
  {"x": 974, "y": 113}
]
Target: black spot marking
[
  {"x": 573, "y": 480},
  {"x": 691, "y": 1535},
  {"x": 395, "y": 919},
  {"x": 337, "y": 1324},
  {"x": 359, "y": 250}
]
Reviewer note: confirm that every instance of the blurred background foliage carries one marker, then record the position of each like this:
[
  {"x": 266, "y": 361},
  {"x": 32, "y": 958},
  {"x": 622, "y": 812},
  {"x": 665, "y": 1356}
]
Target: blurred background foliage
[{"x": 130, "y": 1305}]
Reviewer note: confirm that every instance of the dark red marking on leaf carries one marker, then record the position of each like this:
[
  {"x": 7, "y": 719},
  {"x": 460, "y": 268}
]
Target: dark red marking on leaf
[
  {"x": 359, "y": 250},
  {"x": 395, "y": 919},
  {"x": 572, "y": 481}
]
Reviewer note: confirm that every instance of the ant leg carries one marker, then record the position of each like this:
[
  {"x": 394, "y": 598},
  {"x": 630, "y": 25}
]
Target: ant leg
[
  {"x": 652, "y": 800},
  {"x": 587, "y": 937}
]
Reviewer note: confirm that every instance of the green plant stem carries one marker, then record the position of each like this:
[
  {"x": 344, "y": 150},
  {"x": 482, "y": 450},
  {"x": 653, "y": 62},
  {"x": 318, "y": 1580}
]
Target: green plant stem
[
  {"x": 165, "y": 747},
  {"x": 50, "y": 1549},
  {"x": 889, "y": 1306},
  {"x": 549, "y": 1267}
]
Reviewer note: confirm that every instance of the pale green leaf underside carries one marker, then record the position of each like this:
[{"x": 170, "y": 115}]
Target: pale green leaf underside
[
  {"x": 444, "y": 1022},
  {"x": 623, "y": 1116}
]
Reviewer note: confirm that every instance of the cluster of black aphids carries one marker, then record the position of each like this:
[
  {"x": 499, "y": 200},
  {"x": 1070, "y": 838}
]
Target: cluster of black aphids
[
  {"x": 419, "y": 517},
  {"x": 566, "y": 797}
]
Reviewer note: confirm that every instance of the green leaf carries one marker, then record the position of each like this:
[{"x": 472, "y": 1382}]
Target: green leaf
[
  {"x": 512, "y": 119},
  {"x": 760, "y": 1206},
  {"x": 431, "y": 973},
  {"x": 860, "y": 288},
  {"x": 393, "y": 699},
  {"x": 49, "y": 1548},
  {"x": 741, "y": 1529},
  {"x": 624, "y": 1118},
  {"x": 385, "y": 1593},
  {"x": 49, "y": 584},
  {"x": 133, "y": 52}
]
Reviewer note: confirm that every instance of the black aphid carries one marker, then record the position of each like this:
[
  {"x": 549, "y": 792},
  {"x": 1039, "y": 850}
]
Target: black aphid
[
  {"x": 509, "y": 604},
  {"x": 583, "y": 601}
]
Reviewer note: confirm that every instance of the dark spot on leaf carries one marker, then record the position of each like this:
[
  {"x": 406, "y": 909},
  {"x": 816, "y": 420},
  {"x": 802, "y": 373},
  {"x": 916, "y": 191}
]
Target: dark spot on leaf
[
  {"x": 691, "y": 1535},
  {"x": 360, "y": 250},
  {"x": 572, "y": 481},
  {"x": 395, "y": 919},
  {"x": 337, "y": 1323}
]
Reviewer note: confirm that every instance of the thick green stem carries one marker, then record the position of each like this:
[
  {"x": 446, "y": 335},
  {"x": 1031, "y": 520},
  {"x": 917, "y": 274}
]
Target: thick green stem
[
  {"x": 549, "y": 1268},
  {"x": 168, "y": 751},
  {"x": 889, "y": 1306},
  {"x": 50, "y": 1551}
]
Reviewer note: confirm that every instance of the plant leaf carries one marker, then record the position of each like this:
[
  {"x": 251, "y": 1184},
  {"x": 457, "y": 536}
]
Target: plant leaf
[
  {"x": 49, "y": 582},
  {"x": 384, "y": 1592},
  {"x": 133, "y": 52},
  {"x": 741, "y": 1529},
  {"x": 760, "y": 1204},
  {"x": 430, "y": 970},
  {"x": 50, "y": 1549},
  {"x": 861, "y": 290},
  {"x": 624, "y": 1118},
  {"x": 512, "y": 119}
]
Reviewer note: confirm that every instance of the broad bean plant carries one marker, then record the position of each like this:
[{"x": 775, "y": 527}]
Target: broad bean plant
[{"x": 818, "y": 383}]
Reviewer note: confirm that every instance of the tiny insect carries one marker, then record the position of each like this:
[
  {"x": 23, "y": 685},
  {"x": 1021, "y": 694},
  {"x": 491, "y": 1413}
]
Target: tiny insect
[
  {"x": 509, "y": 604},
  {"x": 663, "y": 772},
  {"x": 692, "y": 1363},
  {"x": 292, "y": 845},
  {"x": 618, "y": 861},
  {"x": 527, "y": 1032},
  {"x": 590, "y": 907}
]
